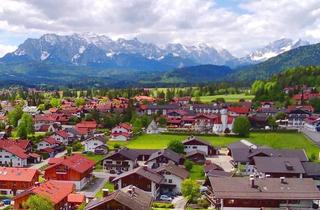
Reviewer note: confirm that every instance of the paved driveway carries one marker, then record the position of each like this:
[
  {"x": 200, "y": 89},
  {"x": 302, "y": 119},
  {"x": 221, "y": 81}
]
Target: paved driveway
[
  {"x": 179, "y": 203},
  {"x": 223, "y": 161},
  {"x": 93, "y": 187},
  {"x": 312, "y": 135}
]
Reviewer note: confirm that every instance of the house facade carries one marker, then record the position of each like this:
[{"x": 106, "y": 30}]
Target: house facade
[
  {"x": 16, "y": 180},
  {"x": 76, "y": 169},
  {"x": 142, "y": 177}
]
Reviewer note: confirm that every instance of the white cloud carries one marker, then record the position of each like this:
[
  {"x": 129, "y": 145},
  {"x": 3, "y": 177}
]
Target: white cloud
[
  {"x": 162, "y": 21},
  {"x": 6, "y": 48}
]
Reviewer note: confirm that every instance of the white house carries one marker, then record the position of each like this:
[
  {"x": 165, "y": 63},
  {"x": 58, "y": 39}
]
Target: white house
[
  {"x": 173, "y": 177},
  {"x": 13, "y": 156},
  {"x": 47, "y": 142},
  {"x": 61, "y": 136},
  {"x": 121, "y": 132},
  {"x": 92, "y": 143},
  {"x": 152, "y": 128},
  {"x": 192, "y": 144}
]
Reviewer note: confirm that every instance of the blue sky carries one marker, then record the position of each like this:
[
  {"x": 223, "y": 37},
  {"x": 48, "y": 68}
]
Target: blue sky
[{"x": 236, "y": 25}]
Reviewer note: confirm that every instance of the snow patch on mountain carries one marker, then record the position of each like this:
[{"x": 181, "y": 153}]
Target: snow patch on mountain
[{"x": 44, "y": 55}]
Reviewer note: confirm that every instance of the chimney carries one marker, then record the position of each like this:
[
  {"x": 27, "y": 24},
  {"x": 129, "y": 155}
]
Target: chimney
[
  {"x": 105, "y": 192},
  {"x": 130, "y": 192},
  {"x": 252, "y": 182},
  {"x": 283, "y": 180}
]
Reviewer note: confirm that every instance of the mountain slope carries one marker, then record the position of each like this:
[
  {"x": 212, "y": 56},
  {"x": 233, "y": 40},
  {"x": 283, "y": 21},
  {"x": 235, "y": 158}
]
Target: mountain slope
[
  {"x": 197, "y": 74},
  {"x": 302, "y": 56}
]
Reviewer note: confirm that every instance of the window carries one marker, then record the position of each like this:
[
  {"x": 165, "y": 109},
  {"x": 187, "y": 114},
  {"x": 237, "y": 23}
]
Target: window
[{"x": 170, "y": 180}]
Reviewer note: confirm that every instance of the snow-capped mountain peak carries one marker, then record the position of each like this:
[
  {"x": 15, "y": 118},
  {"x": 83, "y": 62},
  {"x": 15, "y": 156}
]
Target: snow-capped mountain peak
[{"x": 275, "y": 48}]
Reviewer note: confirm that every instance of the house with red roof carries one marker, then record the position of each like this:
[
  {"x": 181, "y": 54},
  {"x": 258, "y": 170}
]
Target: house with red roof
[
  {"x": 236, "y": 111},
  {"x": 76, "y": 168},
  {"x": 16, "y": 180},
  {"x": 56, "y": 191},
  {"x": 49, "y": 145},
  {"x": 204, "y": 122},
  {"x": 148, "y": 99},
  {"x": 13, "y": 155},
  {"x": 122, "y": 132},
  {"x": 182, "y": 100},
  {"x": 85, "y": 127},
  {"x": 61, "y": 136}
]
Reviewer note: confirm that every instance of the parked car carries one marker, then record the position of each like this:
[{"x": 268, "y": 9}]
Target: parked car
[
  {"x": 203, "y": 189},
  {"x": 6, "y": 202},
  {"x": 165, "y": 198}
]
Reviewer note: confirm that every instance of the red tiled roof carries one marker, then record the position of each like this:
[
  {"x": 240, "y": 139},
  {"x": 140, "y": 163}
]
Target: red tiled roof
[
  {"x": 56, "y": 191},
  {"x": 87, "y": 124},
  {"x": 76, "y": 198},
  {"x": 51, "y": 140},
  {"x": 76, "y": 162},
  {"x": 23, "y": 144},
  {"x": 305, "y": 107},
  {"x": 52, "y": 161},
  {"x": 306, "y": 96},
  {"x": 17, "y": 174},
  {"x": 239, "y": 109},
  {"x": 48, "y": 150},
  {"x": 208, "y": 116},
  {"x": 126, "y": 126},
  {"x": 82, "y": 131},
  {"x": 144, "y": 98},
  {"x": 62, "y": 133},
  {"x": 16, "y": 150}
]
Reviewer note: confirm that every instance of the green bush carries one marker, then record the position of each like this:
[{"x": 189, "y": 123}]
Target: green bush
[
  {"x": 188, "y": 164},
  {"x": 163, "y": 205},
  {"x": 204, "y": 203}
]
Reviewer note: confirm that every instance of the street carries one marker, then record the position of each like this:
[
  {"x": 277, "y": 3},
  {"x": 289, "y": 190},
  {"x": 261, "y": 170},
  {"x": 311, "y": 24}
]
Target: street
[{"x": 312, "y": 135}]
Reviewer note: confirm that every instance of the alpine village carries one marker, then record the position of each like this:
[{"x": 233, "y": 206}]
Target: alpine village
[{"x": 159, "y": 105}]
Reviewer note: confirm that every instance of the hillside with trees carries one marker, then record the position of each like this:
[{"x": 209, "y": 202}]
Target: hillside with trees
[{"x": 273, "y": 89}]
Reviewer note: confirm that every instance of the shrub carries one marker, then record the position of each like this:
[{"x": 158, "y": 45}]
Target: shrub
[{"x": 188, "y": 164}]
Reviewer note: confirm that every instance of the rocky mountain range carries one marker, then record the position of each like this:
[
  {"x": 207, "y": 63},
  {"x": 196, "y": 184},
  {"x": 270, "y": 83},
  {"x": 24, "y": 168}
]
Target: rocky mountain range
[
  {"x": 100, "y": 51},
  {"x": 90, "y": 58}
]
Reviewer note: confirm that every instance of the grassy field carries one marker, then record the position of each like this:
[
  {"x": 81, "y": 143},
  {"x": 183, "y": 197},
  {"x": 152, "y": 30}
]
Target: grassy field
[
  {"x": 274, "y": 140},
  {"x": 227, "y": 98}
]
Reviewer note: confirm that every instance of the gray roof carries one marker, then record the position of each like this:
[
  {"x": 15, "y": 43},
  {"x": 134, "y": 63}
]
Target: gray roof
[
  {"x": 174, "y": 169},
  {"x": 144, "y": 172},
  {"x": 194, "y": 138},
  {"x": 130, "y": 196},
  {"x": 265, "y": 189},
  {"x": 131, "y": 154},
  {"x": 311, "y": 168},
  {"x": 278, "y": 165},
  {"x": 243, "y": 154},
  {"x": 168, "y": 153}
]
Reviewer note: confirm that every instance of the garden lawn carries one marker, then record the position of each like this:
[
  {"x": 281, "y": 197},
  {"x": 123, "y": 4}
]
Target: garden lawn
[
  {"x": 227, "y": 98},
  {"x": 197, "y": 172},
  {"x": 271, "y": 139},
  {"x": 106, "y": 185}
]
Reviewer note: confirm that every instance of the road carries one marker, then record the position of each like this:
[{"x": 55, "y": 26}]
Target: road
[
  {"x": 179, "y": 203},
  {"x": 92, "y": 188},
  {"x": 312, "y": 135},
  {"x": 45, "y": 162}
]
